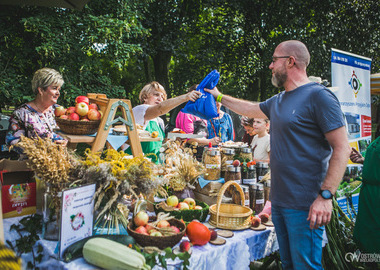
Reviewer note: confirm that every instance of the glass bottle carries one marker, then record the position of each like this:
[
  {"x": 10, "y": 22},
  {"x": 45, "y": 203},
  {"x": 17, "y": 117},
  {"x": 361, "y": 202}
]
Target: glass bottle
[
  {"x": 259, "y": 198},
  {"x": 50, "y": 226}
]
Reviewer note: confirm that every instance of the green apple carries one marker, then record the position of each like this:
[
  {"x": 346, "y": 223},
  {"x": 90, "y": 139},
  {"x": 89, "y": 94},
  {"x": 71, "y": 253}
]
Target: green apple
[
  {"x": 172, "y": 201},
  {"x": 190, "y": 202}
]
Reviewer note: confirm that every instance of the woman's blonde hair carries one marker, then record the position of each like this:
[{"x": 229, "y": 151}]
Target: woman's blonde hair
[
  {"x": 149, "y": 88},
  {"x": 45, "y": 77}
]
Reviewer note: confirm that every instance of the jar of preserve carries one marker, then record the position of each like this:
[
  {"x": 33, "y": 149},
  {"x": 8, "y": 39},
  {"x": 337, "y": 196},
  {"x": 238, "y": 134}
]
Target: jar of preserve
[
  {"x": 212, "y": 162},
  {"x": 233, "y": 174},
  {"x": 249, "y": 177},
  {"x": 246, "y": 195},
  {"x": 259, "y": 198},
  {"x": 262, "y": 169},
  {"x": 227, "y": 156},
  {"x": 246, "y": 154}
]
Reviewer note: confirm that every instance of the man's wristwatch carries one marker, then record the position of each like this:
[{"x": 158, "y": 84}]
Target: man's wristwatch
[{"x": 326, "y": 194}]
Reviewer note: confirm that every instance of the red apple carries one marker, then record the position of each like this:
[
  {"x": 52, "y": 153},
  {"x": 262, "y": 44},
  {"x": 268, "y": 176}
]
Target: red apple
[
  {"x": 74, "y": 116},
  {"x": 190, "y": 202},
  {"x": 101, "y": 114},
  {"x": 255, "y": 221},
  {"x": 141, "y": 218},
  {"x": 64, "y": 116},
  {"x": 149, "y": 227},
  {"x": 59, "y": 111},
  {"x": 70, "y": 110},
  {"x": 264, "y": 217},
  {"x": 163, "y": 224},
  {"x": 93, "y": 114},
  {"x": 80, "y": 99},
  {"x": 85, "y": 120},
  {"x": 183, "y": 206},
  {"x": 141, "y": 229},
  {"x": 93, "y": 106},
  {"x": 236, "y": 163},
  {"x": 172, "y": 201},
  {"x": 175, "y": 229},
  {"x": 214, "y": 235},
  {"x": 184, "y": 246},
  {"x": 198, "y": 207},
  {"x": 81, "y": 108}
]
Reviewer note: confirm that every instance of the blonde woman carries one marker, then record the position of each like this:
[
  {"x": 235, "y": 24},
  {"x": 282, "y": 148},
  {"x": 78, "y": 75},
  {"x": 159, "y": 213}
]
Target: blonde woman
[
  {"x": 154, "y": 104},
  {"x": 260, "y": 142},
  {"x": 36, "y": 118}
]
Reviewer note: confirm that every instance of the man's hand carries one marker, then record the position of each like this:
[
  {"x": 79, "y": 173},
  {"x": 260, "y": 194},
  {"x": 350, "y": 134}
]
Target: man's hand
[
  {"x": 215, "y": 141},
  {"x": 215, "y": 92},
  {"x": 320, "y": 212},
  {"x": 356, "y": 157},
  {"x": 193, "y": 95}
]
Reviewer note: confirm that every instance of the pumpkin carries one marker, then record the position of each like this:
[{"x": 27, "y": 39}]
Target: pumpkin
[{"x": 198, "y": 233}]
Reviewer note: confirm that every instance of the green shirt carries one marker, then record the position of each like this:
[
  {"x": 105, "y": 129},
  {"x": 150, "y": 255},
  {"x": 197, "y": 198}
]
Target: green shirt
[{"x": 367, "y": 225}]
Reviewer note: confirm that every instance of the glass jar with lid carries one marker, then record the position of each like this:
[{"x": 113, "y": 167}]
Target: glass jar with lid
[
  {"x": 249, "y": 176},
  {"x": 262, "y": 169},
  {"x": 233, "y": 174},
  {"x": 246, "y": 154},
  {"x": 212, "y": 162},
  {"x": 227, "y": 155}
]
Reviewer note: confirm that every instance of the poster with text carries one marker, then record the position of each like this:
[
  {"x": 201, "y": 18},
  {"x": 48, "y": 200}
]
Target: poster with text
[
  {"x": 76, "y": 215},
  {"x": 351, "y": 77}
]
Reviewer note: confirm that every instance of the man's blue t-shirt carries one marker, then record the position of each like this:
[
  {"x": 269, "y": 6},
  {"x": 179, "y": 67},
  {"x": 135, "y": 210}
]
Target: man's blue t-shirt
[{"x": 299, "y": 150}]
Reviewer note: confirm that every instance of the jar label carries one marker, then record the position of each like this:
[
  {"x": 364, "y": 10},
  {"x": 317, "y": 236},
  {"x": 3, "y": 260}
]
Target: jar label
[
  {"x": 212, "y": 166},
  {"x": 260, "y": 201},
  {"x": 249, "y": 181},
  {"x": 260, "y": 177},
  {"x": 246, "y": 203},
  {"x": 229, "y": 162}
]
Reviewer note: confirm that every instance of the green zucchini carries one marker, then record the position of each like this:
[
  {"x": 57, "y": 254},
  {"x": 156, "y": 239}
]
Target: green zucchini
[{"x": 75, "y": 250}]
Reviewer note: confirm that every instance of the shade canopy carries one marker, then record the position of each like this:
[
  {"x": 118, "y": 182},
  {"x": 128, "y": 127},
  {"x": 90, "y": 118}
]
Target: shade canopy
[
  {"x": 73, "y": 4},
  {"x": 375, "y": 84}
]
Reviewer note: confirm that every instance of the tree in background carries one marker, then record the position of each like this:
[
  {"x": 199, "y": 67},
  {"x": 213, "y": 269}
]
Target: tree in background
[{"x": 90, "y": 47}]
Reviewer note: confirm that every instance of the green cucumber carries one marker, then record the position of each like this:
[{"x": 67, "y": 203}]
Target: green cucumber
[{"x": 75, "y": 250}]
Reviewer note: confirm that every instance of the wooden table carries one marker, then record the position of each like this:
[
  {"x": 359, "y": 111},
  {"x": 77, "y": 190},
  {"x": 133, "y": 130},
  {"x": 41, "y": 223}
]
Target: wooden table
[{"x": 73, "y": 140}]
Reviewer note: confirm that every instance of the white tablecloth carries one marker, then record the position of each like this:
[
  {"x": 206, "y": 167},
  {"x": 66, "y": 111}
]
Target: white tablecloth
[{"x": 243, "y": 247}]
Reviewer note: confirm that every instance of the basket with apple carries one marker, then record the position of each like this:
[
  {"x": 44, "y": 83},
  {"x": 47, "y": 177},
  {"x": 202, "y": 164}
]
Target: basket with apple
[
  {"x": 161, "y": 233},
  {"x": 81, "y": 119},
  {"x": 186, "y": 209}
]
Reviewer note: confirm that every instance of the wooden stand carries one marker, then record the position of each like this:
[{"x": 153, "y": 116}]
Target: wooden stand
[{"x": 109, "y": 108}]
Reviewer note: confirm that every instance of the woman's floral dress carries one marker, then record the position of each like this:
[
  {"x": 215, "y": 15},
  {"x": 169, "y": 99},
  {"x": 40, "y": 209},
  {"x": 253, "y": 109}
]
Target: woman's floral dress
[{"x": 28, "y": 122}]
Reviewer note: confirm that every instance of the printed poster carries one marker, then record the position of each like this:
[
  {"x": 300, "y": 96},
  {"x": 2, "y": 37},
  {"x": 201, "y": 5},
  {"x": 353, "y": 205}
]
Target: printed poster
[
  {"x": 351, "y": 77},
  {"x": 77, "y": 215}
]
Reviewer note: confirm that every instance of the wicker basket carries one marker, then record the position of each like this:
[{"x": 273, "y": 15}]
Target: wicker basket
[
  {"x": 188, "y": 215},
  {"x": 230, "y": 216},
  {"x": 77, "y": 127},
  {"x": 158, "y": 241}
]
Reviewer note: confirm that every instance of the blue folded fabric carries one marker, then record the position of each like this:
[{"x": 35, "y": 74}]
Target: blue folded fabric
[
  {"x": 205, "y": 106},
  {"x": 203, "y": 182}
]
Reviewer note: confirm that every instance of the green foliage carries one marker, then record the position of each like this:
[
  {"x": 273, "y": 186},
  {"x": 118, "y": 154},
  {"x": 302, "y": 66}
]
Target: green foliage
[
  {"x": 28, "y": 229},
  {"x": 115, "y": 47}
]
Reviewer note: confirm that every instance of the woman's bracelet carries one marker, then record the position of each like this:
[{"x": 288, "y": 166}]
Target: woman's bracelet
[{"x": 219, "y": 98}]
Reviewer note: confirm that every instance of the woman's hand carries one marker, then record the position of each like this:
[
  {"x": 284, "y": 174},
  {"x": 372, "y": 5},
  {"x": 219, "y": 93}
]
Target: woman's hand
[
  {"x": 193, "y": 95},
  {"x": 215, "y": 92},
  {"x": 356, "y": 157},
  {"x": 61, "y": 142}
]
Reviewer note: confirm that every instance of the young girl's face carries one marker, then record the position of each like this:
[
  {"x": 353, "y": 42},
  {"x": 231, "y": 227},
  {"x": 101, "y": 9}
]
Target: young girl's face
[{"x": 259, "y": 125}]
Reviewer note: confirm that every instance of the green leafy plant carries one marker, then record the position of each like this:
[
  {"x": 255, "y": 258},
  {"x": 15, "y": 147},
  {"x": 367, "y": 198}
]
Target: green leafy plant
[
  {"x": 158, "y": 257},
  {"x": 28, "y": 229}
]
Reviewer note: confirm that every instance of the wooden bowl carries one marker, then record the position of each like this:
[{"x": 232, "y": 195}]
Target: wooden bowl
[{"x": 158, "y": 241}]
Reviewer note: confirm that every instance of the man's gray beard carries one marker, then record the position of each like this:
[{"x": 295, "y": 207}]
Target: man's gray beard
[{"x": 278, "y": 80}]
